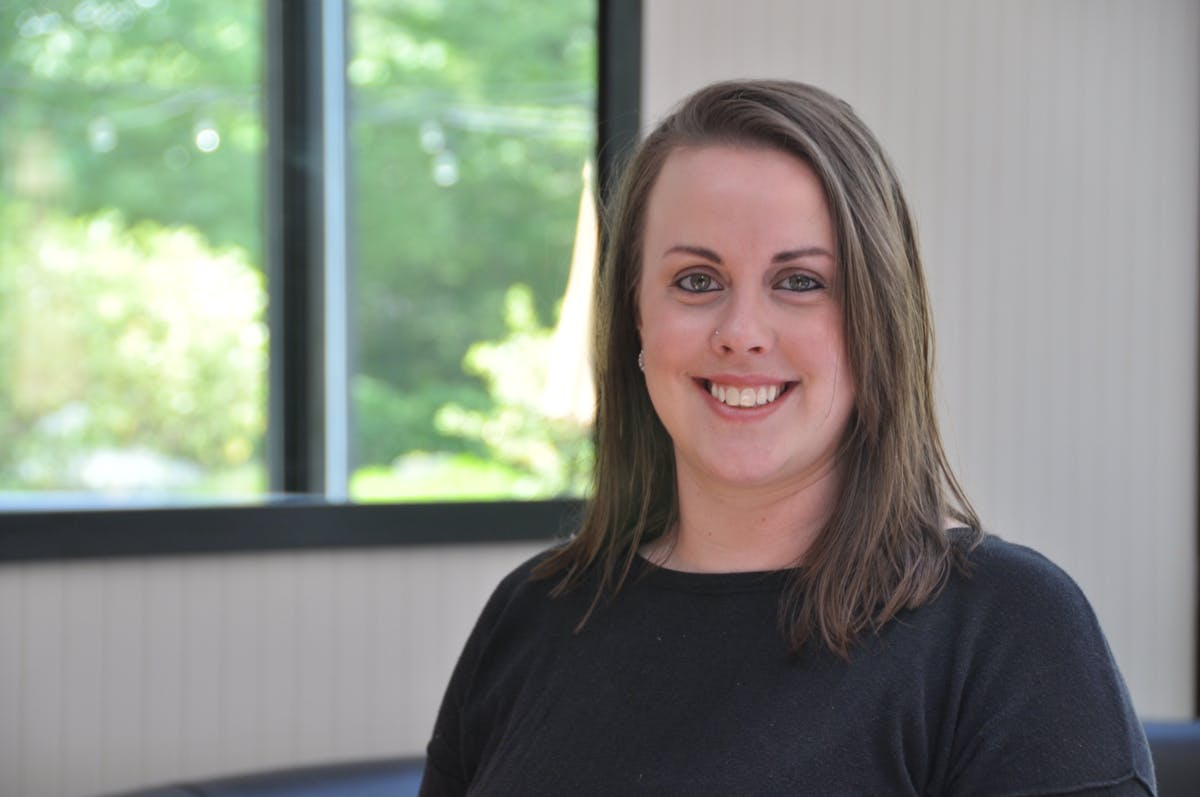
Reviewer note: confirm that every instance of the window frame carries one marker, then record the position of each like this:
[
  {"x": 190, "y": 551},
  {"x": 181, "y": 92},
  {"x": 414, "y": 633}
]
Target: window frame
[{"x": 304, "y": 218}]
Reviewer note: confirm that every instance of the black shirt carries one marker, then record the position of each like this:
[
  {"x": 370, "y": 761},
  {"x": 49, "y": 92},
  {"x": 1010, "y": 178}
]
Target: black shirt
[{"x": 683, "y": 685}]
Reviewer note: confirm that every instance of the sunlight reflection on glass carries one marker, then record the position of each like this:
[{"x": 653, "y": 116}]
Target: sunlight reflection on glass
[
  {"x": 102, "y": 134},
  {"x": 207, "y": 139}
]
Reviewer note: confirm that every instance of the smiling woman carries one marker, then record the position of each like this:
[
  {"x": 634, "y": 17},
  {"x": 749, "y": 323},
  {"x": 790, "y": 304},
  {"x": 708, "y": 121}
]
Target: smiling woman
[{"x": 778, "y": 586}]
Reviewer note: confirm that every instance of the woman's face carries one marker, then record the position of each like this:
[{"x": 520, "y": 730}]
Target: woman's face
[{"x": 744, "y": 357}]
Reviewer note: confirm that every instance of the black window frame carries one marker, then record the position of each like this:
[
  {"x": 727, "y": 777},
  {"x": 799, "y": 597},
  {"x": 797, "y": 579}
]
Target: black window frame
[{"x": 304, "y": 518}]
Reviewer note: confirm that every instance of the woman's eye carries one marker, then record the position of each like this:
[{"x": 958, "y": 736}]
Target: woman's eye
[
  {"x": 697, "y": 283},
  {"x": 799, "y": 283}
]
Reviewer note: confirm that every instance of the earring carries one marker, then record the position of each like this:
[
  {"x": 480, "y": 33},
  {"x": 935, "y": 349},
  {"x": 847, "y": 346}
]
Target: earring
[{"x": 642, "y": 360}]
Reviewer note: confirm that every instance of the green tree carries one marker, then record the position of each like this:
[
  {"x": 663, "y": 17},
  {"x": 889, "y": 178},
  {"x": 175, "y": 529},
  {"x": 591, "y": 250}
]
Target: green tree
[
  {"x": 105, "y": 103},
  {"x": 470, "y": 123},
  {"x": 555, "y": 454},
  {"x": 165, "y": 362}
]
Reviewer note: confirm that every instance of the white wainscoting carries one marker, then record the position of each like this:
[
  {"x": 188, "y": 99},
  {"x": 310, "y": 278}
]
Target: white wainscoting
[
  {"x": 1050, "y": 150},
  {"x": 126, "y": 672}
]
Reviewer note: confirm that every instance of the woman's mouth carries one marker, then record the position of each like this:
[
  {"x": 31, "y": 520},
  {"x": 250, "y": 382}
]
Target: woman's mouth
[{"x": 738, "y": 396}]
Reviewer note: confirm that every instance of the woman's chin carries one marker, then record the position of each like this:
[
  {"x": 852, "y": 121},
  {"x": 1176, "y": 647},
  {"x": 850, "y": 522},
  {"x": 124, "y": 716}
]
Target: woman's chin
[{"x": 752, "y": 470}]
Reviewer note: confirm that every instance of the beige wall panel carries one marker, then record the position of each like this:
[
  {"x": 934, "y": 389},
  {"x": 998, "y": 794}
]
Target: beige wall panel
[
  {"x": 12, "y": 681},
  {"x": 85, "y": 708},
  {"x": 1049, "y": 148},
  {"x": 240, "y": 663},
  {"x": 124, "y": 667},
  {"x": 314, "y": 673},
  {"x": 352, "y": 655},
  {"x": 41, "y": 702},
  {"x": 126, "y": 672},
  {"x": 164, "y": 695},
  {"x": 201, "y": 677},
  {"x": 278, "y": 651}
]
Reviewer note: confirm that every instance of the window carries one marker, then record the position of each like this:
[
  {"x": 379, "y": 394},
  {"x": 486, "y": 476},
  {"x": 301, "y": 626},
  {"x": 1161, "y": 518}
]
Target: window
[{"x": 414, "y": 160}]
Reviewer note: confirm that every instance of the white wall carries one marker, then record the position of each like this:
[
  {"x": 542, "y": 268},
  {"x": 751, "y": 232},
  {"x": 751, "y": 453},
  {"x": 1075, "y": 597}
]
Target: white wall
[
  {"x": 126, "y": 672},
  {"x": 1050, "y": 149}
]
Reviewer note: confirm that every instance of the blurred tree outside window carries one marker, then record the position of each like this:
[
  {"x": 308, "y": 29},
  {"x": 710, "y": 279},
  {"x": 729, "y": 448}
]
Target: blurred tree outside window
[
  {"x": 472, "y": 126},
  {"x": 133, "y": 342},
  {"x": 133, "y": 339}
]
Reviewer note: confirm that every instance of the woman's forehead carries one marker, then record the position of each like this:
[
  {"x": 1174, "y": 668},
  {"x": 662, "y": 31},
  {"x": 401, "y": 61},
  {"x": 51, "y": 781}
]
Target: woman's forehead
[{"x": 718, "y": 194}]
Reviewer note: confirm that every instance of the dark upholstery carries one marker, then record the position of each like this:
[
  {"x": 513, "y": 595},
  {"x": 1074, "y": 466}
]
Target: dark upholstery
[
  {"x": 391, "y": 777},
  {"x": 1174, "y": 745},
  {"x": 1176, "y": 750}
]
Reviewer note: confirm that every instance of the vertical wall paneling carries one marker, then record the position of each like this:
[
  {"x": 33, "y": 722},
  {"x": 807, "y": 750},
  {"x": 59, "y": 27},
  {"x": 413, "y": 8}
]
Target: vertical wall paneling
[
  {"x": 12, "y": 680},
  {"x": 352, "y": 653},
  {"x": 202, "y": 677},
  {"x": 165, "y": 699},
  {"x": 121, "y": 659},
  {"x": 84, "y": 660},
  {"x": 240, "y": 662},
  {"x": 314, "y": 659},
  {"x": 42, "y": 707},
  {"x": 1049, "y": 150},
  {"x": 278, "y": 622},
  {"x": 115, "y": 673}
]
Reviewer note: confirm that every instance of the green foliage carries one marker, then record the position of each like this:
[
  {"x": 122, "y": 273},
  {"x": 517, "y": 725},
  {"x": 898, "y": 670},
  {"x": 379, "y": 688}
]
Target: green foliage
[
  {"x": 104, "y": 102},
  {"x": 472, "y": 121},
  {"x": 390, "y": 423},
  {"x": 469, "y": 122},
  {"x": 439, "y": 477},
  {"x": 108, "y": 350},
  {"x": 555, "y": 453}
]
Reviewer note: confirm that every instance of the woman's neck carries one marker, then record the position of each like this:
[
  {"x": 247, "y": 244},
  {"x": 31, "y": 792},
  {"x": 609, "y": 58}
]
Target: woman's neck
[{"x": 730, "y": 529}]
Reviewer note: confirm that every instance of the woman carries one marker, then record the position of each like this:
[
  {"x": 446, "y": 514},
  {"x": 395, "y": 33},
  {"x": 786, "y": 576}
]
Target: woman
[{"x": 778, "y": 586}]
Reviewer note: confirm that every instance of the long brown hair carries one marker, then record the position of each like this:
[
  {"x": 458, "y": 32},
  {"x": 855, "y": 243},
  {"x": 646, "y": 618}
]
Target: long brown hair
[{"x": 884, "y": 547}]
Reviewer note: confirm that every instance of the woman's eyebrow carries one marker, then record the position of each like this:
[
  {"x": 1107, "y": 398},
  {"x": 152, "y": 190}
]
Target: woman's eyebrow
[
  {"x": 699, "y": 251},
  {"x": 797, "y": 254},
  {"x": 781, "y": 257}
]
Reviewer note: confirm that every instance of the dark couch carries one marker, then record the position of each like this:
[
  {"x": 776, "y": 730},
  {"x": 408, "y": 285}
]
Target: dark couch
[
  {"x": 1175, "y": 746},
  {"x": 1176, "y": 750},
  {"x": 389, "y": 777}
]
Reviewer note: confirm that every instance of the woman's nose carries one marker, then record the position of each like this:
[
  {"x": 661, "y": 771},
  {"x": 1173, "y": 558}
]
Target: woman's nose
[{"x": 743, "y": 327}]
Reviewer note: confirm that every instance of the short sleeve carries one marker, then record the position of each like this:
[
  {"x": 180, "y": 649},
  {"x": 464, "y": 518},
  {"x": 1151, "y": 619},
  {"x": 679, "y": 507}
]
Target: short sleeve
[
  {"x": 448, "y": 766},
  {"x": 1044, "y": 710},
  {"x": 435, "y": 782}
]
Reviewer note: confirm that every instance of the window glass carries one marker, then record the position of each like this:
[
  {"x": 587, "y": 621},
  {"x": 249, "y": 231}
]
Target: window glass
[
  {"x": 133, "y": 342},
  {"x": 474, "y": 234}
]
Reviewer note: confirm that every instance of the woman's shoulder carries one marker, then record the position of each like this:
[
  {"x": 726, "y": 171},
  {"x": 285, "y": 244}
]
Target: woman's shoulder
[
  {"x": 1033, "y": 672},
  {"x": 527, "y": 596},
  {"x": 520, "y": 583},
  {"x": 1011, "y": 577},
  {"x": 523, "y": 574},
  {"x": 1004, "y": 604},
  {"x": 1009, "y": 598},
  {"x": 1009, "y": 605}
]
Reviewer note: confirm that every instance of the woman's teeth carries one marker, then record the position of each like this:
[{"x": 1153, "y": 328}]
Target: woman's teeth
[{"x": 745, "y": 396}]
